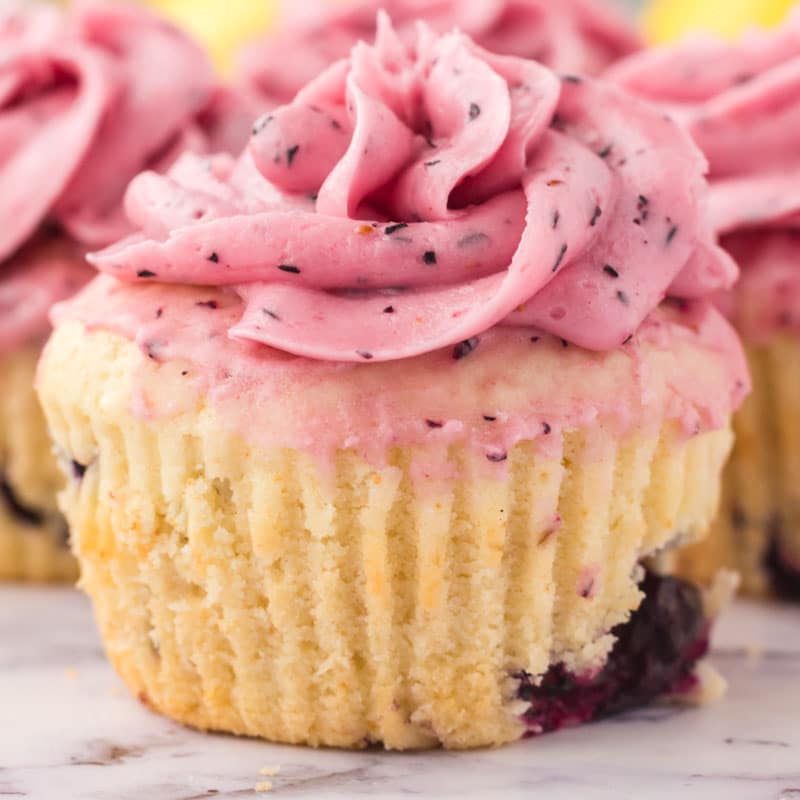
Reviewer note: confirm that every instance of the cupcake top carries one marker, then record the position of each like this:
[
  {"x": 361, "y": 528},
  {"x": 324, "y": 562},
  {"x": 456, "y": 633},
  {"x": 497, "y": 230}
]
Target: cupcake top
[
  {"x": 83, "y": 110},
  {"x": 581, "y": 36},
  {"x": 412, "y": 198},
  {"x": 741, "y": 103}
]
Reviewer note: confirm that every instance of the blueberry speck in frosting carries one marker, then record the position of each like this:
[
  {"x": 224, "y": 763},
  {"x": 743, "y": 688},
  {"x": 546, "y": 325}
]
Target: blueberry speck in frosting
[
  {"x": 463, "y": 349},
  {"x": 365, "y": 354},
  {"x": 429, "y": 257},
  {"x": 433, "y": 163},
  {"x": 388, "y": 310},
  {"x": 546, "y": 429},
  {"x": 212, "y": 304},
  {"x": 432, "y": 423},
  {"x": 535, "y": 339},
  {"x": 472, "y": 239},
  {"x": 159, "y": 313},
  {"x": 261, "y": 123},
  {"x": 598, "y": 212},
  {"x": 474, "y": 111},
  {"x": 291, "y": 153},
  {"x": 78, "y": 469},
  {"x": 564, "y": 343},
  {"x": 214, "y": 258},
  {"x": 643, "y": 207},
  {"x": 606, "y": 151},
  {"x": 291, "y": 268},
  {"x": 628, "y": 340},
  {"x": 571, "y": 79},
  {"x": 145, "y": 273},
  {"x": 398, "y": 226},
  {"x": 560, "y": 258},
  {"x": 489, "y": 418},
  {"x": 497, "y": 456},
  {"x": 556, "y": 218},
  {"x": 622, "y": 297},
  {"x": 609, "y": 270},
  {"x": 672, "y": 233},
  {"x": 271, "y": 314}
]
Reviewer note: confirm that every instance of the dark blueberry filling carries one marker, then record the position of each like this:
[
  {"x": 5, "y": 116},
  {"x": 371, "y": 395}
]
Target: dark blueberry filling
[
  {"x": 654, "y": 655},
  {"x": 784, "y": 576},
  {"x": 25, "y": 514}
]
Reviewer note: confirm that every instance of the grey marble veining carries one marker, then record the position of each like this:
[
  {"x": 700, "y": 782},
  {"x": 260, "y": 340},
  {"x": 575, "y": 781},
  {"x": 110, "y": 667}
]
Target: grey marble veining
[{"x": 69, "y": 730}]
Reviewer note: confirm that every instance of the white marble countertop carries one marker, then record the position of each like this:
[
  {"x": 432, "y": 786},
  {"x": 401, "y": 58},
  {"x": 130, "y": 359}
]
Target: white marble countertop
[{"x": 69, "y": 730}]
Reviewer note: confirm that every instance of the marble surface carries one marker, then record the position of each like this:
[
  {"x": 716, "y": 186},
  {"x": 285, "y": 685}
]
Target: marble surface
[{"x": 68, "y": 730}]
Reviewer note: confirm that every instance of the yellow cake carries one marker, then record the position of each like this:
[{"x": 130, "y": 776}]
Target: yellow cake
[
  {"x": 33, "y": 534},
  {"x": 244, "y": 585},
  {"x": 757, "y": 532}
]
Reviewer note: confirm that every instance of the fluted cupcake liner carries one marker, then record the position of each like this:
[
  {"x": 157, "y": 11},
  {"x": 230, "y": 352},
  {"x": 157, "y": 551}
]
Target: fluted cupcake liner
[
  {"x": 757, "y": 532},
  {"x": 33, "y": 533},
  {"x": 264, "y": 593}
]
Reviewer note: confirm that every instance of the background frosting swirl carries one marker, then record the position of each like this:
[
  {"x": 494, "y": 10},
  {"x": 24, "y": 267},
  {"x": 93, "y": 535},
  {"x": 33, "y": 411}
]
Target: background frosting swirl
[
  {"x": 741, "y": 103},
  {"x": 411, "y": 199},
  {"x": 583, "y": 36},
  {"x": 87, "y": 100}
]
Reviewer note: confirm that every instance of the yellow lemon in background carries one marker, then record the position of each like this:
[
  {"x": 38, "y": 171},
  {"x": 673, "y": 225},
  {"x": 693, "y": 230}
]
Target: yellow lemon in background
[
  {"x": 669, "y": 19},
  {"x": 221, "y": 25}
]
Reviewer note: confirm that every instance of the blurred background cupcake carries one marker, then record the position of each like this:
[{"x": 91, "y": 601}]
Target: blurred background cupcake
[
  {"x": 741, "y": 102},
  {"x": 82, "y": 110}
]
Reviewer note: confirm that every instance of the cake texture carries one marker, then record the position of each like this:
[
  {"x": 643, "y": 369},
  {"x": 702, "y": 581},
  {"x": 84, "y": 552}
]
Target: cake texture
[
  {"x": 571, "y": 36},
  {"x": 739, "y": 102},
  {"x": 82, "y": 112},
  {"x": 378, "y": 424}
]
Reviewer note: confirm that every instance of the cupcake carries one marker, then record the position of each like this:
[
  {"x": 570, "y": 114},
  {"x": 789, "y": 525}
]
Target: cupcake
[
  {"x": 81, "y": 112},
  {"x": 581, "y": 36},
  {"x": 741, "y": 103},
  {"x": 377, "y": 426}
]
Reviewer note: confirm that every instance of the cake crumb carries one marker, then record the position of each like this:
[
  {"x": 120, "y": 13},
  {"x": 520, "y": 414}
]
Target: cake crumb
[
  {"x": 264, "y": 786},
  {"x": 269, "y": 772},
  {"x": 721, "y": 593}
]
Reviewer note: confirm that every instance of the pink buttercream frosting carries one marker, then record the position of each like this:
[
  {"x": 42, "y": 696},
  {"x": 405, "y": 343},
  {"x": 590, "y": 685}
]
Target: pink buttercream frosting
[
  {"x": 412, "y": 198},
  {"x": 87, "y": 100},
  {"x": 582, "y": 36},
  {"x": 741, "y": 103}
]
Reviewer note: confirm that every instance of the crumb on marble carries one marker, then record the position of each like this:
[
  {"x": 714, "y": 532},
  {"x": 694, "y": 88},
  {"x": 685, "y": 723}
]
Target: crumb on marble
[
  {"x": 269, "y": 772},
  {"x": 264, "y": 786}
]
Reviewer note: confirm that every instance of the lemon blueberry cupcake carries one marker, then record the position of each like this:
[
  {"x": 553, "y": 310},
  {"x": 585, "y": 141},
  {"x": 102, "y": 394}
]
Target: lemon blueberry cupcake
[
  {"x": 378, "y": 424},
  {"x": 741, "y": 103},
  {"x": 81, "y": 112},
  {"x": 581, "y": 36}
]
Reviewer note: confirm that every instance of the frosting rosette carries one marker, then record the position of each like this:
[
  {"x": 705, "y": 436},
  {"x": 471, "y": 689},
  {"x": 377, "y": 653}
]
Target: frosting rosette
[
  {"x": 87, "y": 100},
  {"x": 413, "y": 197},
  {"x": 582, "y": 36},
  {"x": 741, "y": 103}
]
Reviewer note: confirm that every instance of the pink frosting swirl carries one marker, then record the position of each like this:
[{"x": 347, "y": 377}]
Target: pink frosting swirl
[
  {"x": 582, "y": 36},
  {"x": 741, "y": 103},
  {"x": 88, "y": 100},
  {"x": 411, "y": 199}
]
